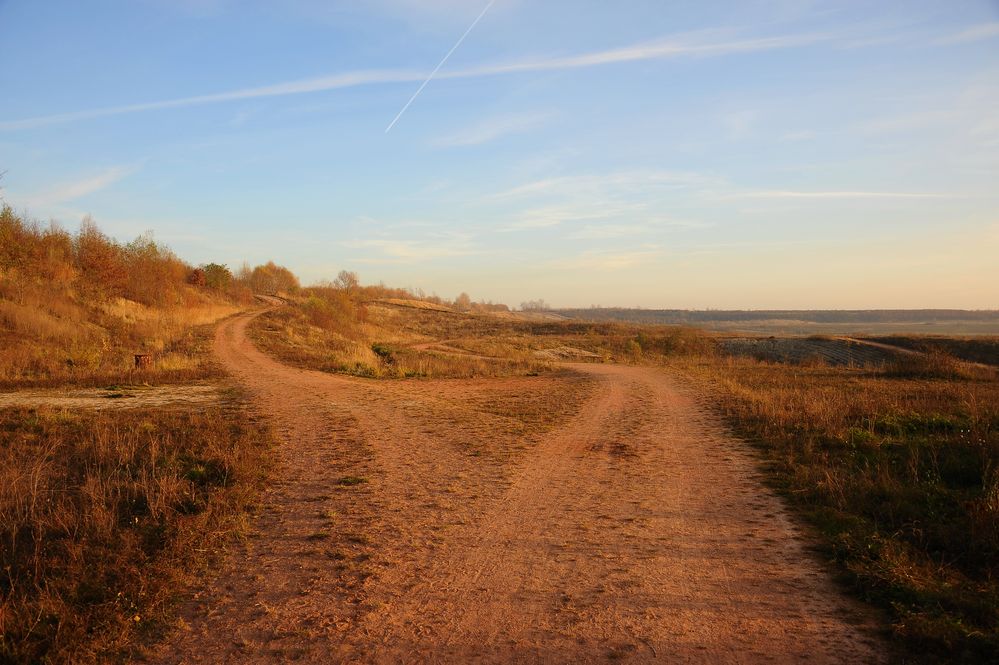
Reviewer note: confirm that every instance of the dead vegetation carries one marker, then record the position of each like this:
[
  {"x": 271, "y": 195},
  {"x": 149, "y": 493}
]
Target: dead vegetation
[
  {"x": 106, "y": 517},
  {"x": 106, "y": 514},
  {"x": 75, "y": 308},
  {"x": 898, "y": 469},
  {"x": 337, "y": 331}
]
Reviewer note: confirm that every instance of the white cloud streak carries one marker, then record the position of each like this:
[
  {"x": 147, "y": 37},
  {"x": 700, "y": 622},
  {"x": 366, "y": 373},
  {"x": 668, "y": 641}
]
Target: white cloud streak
[
  {"x": 666, "y": 49},
  {"x": 78, "y": 188},
  {"x": 610, "y": 261},
  {"x": 439, "y": 65},
  {"x": 783, "y": 194},
  {"x": 973, "y": 34},
  {"x": 622, "y": 181},
  {"x": 493, "y": 128}
]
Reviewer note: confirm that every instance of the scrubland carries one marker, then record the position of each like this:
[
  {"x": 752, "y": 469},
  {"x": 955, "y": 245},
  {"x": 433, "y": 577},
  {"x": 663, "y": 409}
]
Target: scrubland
[
  {"x": 367, "y": 334},
  {"x": 897, "y": 469},
  {"x": 107, "y": 516},
  {"x": 894, "y": 464},
  {"x": 75, "y": 308}
]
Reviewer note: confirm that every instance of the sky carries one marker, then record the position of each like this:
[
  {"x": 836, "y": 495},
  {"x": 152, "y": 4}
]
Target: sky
[{"x": 654, "y": 153}]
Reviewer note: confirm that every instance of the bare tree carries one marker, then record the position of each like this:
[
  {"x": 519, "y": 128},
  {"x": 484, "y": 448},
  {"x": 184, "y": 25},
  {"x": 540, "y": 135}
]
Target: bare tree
[
  {"x": 538, "y": 305},
  {"x": 346, "y": 281}
]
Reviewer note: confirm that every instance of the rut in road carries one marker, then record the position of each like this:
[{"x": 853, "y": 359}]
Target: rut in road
[{"x": 598, "y": 513}]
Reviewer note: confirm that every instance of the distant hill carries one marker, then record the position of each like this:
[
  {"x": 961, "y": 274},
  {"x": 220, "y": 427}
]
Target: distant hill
[{"x": 954, "y": 321}]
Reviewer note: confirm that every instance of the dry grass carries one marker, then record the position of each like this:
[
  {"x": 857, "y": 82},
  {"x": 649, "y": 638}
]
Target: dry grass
[
  {"x": 181, "y": 353},
  {"x": 900, "y": 475},
  {"x": 980, "y": 349},
  {"x": 106, "y": 517},
  {"x": 378, "y": 346},
  {"x": 393, "y": 339},
  {"x": 75, "y": 308}
]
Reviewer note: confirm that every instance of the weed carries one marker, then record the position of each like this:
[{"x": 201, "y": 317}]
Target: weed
[{"x": 350, "y": 481}]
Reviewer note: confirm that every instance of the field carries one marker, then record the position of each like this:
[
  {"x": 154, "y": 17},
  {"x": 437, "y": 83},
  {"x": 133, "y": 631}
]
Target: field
[
  {"x": 896, "y": 469},
  {"x": 805, "y": 322},
  {"x": 401, "y": 339},
  {"x": 361, "y": 474},
  {"x": 810, "y": 350},
  {"x": 888, "y": 456}
]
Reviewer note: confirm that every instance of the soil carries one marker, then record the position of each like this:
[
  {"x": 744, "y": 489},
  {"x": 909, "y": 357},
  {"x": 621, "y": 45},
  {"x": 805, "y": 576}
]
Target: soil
[{"x": 598, "y": 513}]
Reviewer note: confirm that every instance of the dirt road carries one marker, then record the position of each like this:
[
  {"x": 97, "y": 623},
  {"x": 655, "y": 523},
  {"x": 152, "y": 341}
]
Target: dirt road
[{"x": 599, "y": 514}]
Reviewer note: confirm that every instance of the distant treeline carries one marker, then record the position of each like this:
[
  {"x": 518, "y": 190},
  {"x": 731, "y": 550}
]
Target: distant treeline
[{"x": 683, "y": 316}]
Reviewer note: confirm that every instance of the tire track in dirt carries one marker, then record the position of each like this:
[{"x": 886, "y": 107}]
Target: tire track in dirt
[{"x": 637, "y": 530}]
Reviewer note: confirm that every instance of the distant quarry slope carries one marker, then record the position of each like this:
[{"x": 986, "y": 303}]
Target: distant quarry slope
[{"x": 880, "y": 321}]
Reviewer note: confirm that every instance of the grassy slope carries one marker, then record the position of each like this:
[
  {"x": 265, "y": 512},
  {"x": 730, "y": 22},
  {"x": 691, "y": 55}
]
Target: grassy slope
[
  {"x": 106, "y": 516},
  {"x": 394, "y": 340},
  {"x": 51, "y": 336}
]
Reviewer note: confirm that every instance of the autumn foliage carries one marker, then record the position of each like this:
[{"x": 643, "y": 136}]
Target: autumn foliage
[{"x": 76, "y": 306}]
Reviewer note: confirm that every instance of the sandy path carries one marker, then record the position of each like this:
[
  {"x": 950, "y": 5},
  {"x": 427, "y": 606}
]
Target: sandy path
[{"x": 601, "y": 514}]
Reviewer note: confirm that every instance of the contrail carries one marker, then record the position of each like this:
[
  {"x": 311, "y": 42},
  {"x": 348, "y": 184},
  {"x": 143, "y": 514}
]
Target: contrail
[{"x": 439, "y": 65}]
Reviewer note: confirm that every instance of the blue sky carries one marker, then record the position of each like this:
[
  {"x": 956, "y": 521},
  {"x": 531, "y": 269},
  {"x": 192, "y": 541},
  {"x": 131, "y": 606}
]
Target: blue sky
[{"x": 640, "y": 153}]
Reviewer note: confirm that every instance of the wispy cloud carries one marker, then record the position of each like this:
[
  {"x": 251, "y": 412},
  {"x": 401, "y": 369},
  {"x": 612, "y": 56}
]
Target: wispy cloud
[
  {"x": 973, "y": 34},
  {"x": 75, "y": 189},
  {"x": 493, "y": 128},
  {"x": 347, "y": 80},
  {"x": 786, "y": 194},
  {"x": 554, "y": 215},
  {"x": 624, "y": 181},
  {"x": 610, "y": 231},
  {"x": 661, "y": 50},
  {"x": 798, "y": 135},
  {"x": 739, "y": 124}
]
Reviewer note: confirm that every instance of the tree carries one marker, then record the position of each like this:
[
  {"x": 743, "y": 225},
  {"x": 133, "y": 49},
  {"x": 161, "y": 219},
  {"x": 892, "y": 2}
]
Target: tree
[
  {"x": 272, "y": 279},
  {"x": 538, "y": 305},
  {"x": 100, "y": 259},
  {"x": 217, "y": 276},
  {"x": 346, "y": 281},
  {"x": 197, "y": 278},
  {"x": 463, "y": 302}
]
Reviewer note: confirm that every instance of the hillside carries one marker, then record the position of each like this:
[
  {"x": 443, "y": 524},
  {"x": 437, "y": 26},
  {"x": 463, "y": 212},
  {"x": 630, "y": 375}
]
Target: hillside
[{"x": 77, "y": 307}]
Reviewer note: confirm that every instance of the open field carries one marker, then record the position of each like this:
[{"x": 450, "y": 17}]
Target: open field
[
  {"x": 107, "y": 517},
  {"x": 805, "y": 322},
  {"x": 896, "y": 469},
  {"x": 595, "y": 512},
  {"x": 803, "y": 350},
  {"x": 456, "y": 481},
  {"x": 502, "y": 504},
  {"x": 407, "y": 339},
  {"x": 983, "y": 349}
]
